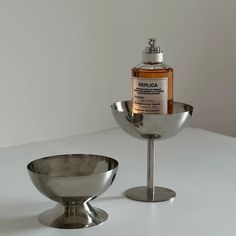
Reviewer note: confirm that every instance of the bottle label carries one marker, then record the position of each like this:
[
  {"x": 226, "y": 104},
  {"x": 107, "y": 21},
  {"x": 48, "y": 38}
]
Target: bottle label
[{"x": 150, "y": 95}]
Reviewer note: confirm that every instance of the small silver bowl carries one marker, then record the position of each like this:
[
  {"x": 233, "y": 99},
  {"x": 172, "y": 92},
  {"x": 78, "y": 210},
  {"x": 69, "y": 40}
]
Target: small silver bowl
[{"x": 73, "y": 180}]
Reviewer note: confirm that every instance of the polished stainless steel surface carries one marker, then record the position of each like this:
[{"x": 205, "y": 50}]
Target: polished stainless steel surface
[
  {"x": 151, "y": 127},
  {"x": 73, "y": 180},
  {"x": 151, "y": 167},
  {"x": 145, "y": 194}
]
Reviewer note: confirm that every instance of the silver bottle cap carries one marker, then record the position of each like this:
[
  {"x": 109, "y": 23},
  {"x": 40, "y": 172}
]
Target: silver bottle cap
[{"x": 152, "y": 53}]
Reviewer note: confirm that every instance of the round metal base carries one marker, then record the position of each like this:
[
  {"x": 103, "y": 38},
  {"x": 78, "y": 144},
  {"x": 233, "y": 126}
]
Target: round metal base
[
  {"x": 145, "y": 194},
  {"x": 73, "y": 216}
]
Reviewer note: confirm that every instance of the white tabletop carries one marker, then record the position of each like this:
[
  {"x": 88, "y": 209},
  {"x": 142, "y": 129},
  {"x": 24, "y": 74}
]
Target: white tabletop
[{"x": 199, "y": 165}]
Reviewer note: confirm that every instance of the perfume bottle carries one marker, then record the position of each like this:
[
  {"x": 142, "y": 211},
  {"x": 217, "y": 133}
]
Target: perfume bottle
[{"x": 152, "y": 83}]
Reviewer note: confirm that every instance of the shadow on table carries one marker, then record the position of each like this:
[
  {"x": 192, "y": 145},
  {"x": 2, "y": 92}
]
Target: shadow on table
[
  {"x": 18, "y": 218},
  {"x": 109, "y": 198},
  {"x": 17, "y": 224}
]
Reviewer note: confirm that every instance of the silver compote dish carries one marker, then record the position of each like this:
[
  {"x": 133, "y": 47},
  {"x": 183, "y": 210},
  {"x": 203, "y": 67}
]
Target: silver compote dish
[
  {"x": 73, "y": 180},
  {"x": 151, "y": 127}
]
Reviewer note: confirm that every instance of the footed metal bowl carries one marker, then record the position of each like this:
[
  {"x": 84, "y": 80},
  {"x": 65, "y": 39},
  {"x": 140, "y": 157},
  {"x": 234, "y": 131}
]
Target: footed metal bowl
[{"x": 73, "y": 180}]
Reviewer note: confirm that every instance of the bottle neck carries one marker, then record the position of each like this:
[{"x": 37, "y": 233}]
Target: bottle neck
[
  {"x": 152, "y": 58},
  {"x": 152, "y": 63}
]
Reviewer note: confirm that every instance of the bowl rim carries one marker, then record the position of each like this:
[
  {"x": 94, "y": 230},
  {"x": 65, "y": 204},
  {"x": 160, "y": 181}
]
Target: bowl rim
[
  {"x": 189, "y": 110},
  {"x": 71, "y": 154}
]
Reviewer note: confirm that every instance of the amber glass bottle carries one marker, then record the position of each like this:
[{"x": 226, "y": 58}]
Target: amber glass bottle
[{"x": 152, "y": 83}]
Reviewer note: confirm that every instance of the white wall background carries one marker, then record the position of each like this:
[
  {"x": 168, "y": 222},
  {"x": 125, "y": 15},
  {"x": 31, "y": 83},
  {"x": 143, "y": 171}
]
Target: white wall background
[{"x": 63, "y": 62}]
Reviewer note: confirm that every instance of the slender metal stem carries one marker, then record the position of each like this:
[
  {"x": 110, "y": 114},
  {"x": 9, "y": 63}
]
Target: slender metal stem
[{"x": 151, "y": 167}]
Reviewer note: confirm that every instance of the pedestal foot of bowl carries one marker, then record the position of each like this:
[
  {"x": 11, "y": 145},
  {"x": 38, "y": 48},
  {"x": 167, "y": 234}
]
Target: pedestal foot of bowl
[{"x": 72, "y": 216}]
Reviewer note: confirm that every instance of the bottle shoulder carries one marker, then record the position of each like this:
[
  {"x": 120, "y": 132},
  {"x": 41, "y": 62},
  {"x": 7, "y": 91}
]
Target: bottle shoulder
[{"x": 155, "y": 66}]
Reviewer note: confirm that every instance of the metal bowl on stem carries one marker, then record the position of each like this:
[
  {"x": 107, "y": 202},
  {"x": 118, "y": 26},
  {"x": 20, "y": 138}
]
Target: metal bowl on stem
[{"x": 151, "y": 127}]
